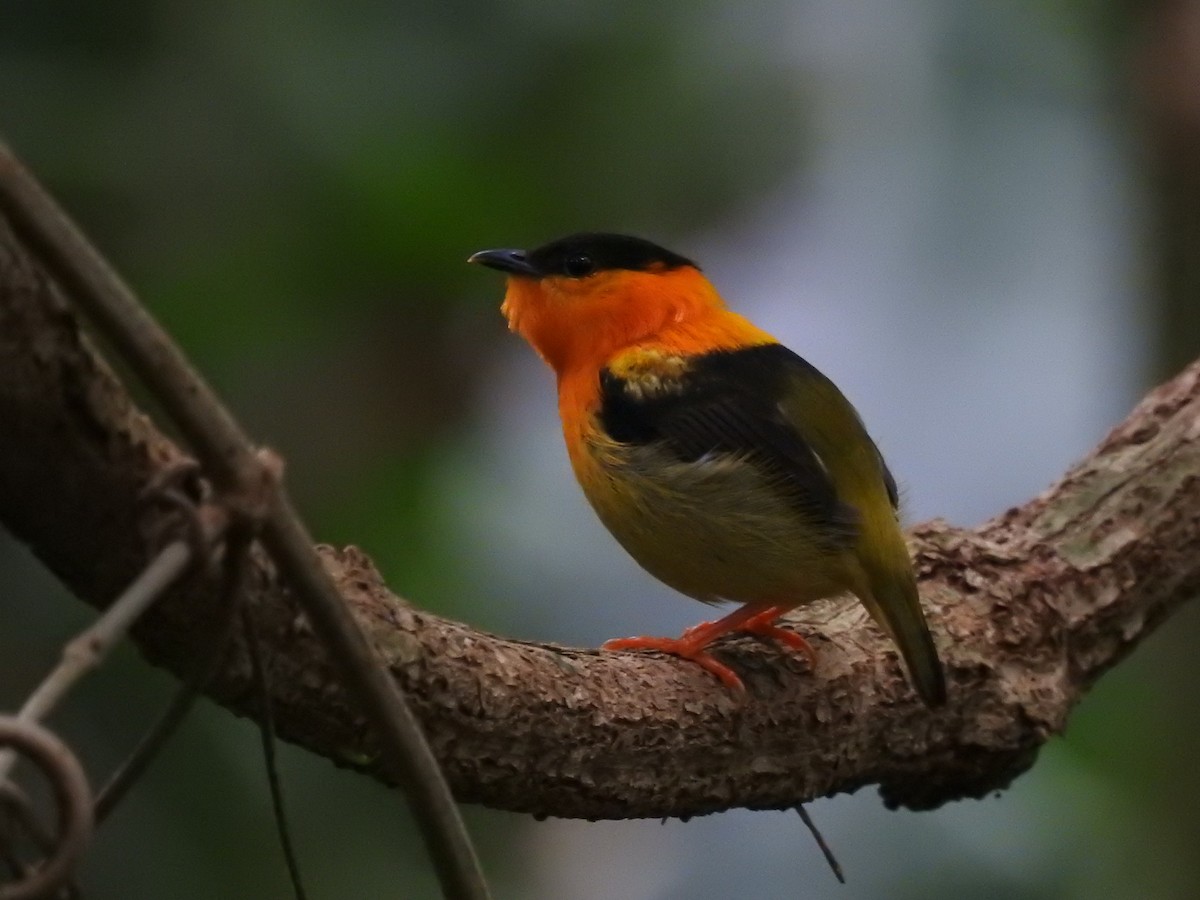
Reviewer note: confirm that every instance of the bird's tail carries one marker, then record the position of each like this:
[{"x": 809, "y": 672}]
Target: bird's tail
[{"x": 895, "y": 604}]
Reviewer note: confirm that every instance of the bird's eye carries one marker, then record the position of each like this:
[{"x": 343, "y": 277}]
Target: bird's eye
[{"x": 578, "y": 265}]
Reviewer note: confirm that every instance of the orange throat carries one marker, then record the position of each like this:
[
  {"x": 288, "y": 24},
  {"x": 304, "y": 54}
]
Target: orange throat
[{"x": 578, "y": 325}]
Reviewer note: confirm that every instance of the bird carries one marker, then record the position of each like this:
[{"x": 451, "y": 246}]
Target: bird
[{"x": 726, "y": 465}]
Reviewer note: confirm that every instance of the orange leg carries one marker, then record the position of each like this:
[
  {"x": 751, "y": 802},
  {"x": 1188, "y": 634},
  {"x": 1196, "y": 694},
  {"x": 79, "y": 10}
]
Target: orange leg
[{"x": 691, "y": 644}]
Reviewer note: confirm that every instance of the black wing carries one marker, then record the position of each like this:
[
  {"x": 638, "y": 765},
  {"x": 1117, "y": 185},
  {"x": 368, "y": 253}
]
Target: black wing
[{"x": 729, "y": 402}]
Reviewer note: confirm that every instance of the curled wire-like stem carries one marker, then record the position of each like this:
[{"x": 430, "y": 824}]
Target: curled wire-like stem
[
  {"x": 72, "y": 795},
  {"x": 88, "y": 649},
  {"x": 91, "y": 647}
]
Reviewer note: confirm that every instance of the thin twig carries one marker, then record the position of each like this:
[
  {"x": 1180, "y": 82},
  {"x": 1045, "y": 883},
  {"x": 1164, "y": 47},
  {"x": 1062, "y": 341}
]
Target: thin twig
[
  {"x": 138, "y": 761},
  {"x": 90, "y": 648},
  {"x": 820, "y": 839},
  {"x": 266, "y": 730},
  {"x": 135, "y": 765},
  {"x": 227, "y": 454}
]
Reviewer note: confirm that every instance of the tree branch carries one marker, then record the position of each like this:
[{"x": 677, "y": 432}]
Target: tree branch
[
  {"x": 1029, "y": 609},
  {"x": 250, "y": 483}
]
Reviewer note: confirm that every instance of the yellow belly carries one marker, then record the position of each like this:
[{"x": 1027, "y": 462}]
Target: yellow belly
[{"x": 714, "y": 529}]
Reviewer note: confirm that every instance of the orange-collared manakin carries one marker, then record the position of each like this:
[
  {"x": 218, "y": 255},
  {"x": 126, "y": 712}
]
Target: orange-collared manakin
[{"x": 725, "y": 464}]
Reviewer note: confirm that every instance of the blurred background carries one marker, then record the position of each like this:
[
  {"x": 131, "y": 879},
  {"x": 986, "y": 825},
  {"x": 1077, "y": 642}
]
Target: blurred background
[{"x": 982, "y": 220}]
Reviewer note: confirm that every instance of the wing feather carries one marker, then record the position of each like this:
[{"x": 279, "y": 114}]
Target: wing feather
[{"x": 728, "y": 403}]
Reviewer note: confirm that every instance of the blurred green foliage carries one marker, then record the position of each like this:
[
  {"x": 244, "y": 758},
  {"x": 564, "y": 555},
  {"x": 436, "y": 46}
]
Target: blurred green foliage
[{"x": 294, "y": 187}]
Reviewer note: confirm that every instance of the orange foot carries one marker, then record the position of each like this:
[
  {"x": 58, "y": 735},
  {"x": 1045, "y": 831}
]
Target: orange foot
[
  {"x": 692, "y": 643},
  {"x": 682, "y": 647}
]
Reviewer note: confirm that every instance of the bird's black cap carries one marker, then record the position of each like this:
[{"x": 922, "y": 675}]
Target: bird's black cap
[{"x": 580, "y": 255}]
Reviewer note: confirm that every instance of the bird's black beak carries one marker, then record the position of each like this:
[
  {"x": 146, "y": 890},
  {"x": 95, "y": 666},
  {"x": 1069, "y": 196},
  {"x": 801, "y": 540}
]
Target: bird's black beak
[{"x": 512, "y": 261}]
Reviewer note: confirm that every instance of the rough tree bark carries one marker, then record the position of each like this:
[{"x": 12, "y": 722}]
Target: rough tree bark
[{"x": 1029, "y": 609}]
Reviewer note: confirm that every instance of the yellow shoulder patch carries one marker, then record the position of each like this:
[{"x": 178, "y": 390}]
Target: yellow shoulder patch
[{"x": 647, "y": 372}]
